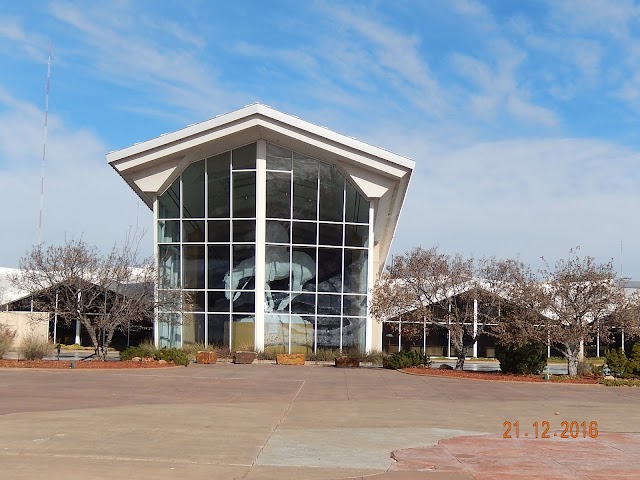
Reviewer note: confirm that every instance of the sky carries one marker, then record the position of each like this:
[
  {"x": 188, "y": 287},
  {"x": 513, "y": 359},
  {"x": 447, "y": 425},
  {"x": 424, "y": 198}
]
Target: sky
[{"x": 522, "y": 117}]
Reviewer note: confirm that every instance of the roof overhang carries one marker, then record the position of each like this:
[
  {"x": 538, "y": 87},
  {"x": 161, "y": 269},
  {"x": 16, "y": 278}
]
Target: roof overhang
[{"x": 383, "y": 177}]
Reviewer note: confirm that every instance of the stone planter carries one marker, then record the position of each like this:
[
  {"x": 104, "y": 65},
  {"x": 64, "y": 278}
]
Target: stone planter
[
  {"x": 290, "y": 359},
  {"x": 244, "y": 357},
  {"x": 347, "y": 362},
  {"x": 206, "y": 357}
]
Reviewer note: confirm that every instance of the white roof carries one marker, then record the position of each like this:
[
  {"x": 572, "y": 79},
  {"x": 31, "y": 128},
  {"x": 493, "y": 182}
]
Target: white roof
[
  {"x": 8, "y": 292},
  {"x": 383, "y": 177}
]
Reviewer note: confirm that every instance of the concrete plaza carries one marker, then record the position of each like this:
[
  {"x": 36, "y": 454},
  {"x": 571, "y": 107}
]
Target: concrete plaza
[{"x": 265, "y": 421}]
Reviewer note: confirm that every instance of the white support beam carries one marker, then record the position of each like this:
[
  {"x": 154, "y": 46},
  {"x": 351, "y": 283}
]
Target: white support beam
[{"x": 261, "y": 214}]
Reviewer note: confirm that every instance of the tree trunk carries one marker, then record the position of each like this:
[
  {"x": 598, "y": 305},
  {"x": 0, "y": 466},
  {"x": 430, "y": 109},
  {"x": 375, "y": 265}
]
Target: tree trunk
[
  {"x": 462, "y": 353},
  {"x": 573, "y": 362}
]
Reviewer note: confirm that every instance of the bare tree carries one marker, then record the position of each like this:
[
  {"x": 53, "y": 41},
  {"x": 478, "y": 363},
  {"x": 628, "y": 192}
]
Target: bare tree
[
  {"x": 572, "y": 302},
  {"x": 463, "y": 295},
  {"x": 105, "y": 293}
]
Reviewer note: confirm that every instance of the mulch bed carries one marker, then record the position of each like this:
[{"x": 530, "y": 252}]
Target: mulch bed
[
  {"x": 85, "y": 364},
  {"x": 499, "y": 376}
]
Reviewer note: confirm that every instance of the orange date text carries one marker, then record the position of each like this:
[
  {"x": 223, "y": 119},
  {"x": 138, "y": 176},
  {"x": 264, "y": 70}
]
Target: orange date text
[{"x": 568, "y": 429}]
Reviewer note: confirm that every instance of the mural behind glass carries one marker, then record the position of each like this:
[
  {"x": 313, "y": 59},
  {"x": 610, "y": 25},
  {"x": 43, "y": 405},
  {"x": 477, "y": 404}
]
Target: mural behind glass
[{"x": 315, "y": 252}]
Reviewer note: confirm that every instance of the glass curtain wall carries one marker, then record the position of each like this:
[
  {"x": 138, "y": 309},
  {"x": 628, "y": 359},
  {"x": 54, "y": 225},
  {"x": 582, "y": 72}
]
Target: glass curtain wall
[
  {"x": 206, "y": 246},
  {"x": 317, "y": 227}
]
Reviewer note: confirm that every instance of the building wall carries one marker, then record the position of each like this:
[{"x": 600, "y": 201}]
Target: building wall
[
  {"x": 25, "y": 324},
  {"x": 275, "y": 249}
]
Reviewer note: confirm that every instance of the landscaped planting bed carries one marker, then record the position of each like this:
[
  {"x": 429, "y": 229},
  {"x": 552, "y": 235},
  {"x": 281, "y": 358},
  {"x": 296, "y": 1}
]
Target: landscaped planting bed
[
  {"x": 499, "y": 376},
  {"x": 86, "y": 364}
]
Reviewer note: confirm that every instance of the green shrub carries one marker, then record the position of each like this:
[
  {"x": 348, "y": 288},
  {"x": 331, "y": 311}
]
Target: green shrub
[
  {"x": 6, "y": 339},
  {"x": 174, "y": 355},
  {"x": 617, "y": 361},
  {"x": 633, "y": 365},
  {"x": 585, "y": 368},
  {"x": 142, "y": 351},
  {"x": 405, "y": 359},
  {"x": 34, "y": 347},
  {"x": 376, "y": 358},
  {"x": 529, "y": 359}
]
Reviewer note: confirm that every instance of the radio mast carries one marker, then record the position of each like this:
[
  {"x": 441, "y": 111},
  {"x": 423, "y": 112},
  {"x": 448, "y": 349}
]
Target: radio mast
[{"x": 44, "y": 146}]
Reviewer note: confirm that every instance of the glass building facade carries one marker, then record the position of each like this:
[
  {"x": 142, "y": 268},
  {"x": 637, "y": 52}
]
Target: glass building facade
[{"x": 270, "y": 243}]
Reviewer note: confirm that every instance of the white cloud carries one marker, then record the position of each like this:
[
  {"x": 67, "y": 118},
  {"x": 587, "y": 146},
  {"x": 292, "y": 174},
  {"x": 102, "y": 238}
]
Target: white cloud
[
  {"x": 18, "y": 42},
  {"x": 82, "y": 195},
  {"x": 525, "y": 197},
  {"x": 169, "y": 73}
]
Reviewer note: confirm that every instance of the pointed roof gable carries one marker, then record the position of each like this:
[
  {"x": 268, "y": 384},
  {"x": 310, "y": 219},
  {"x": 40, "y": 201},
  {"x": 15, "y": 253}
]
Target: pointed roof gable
[{"x": 381, "y": 176}]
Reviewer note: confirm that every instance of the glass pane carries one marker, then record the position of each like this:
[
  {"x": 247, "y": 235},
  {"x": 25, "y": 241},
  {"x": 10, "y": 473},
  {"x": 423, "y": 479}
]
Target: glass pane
[
  {"x": 219, "y": 230},
  {"x": 353, "y": 334},
  {"x": 218, "y": 330},
  {"x": 305, "y": 187},
  {"x": 304, "y": 303},
  {"x": 276, "y": 333},
  {"x": 304, "y": 233},
  {"x": 218, "y": 174},
  {"x": 357, "y": 207},
  {"x": 192, "y": 328},
  {"x": 355, "y": 271},
  {"x": 330, "y": 234},
  {"x": 193, "y": 230},
  {"x": 244, "y": 195},
  {"x": 303, "y": 269},
  {"x": 278, "y": 158},
  {"x": 301, "y": 333},
  {"x": 218, "y": 264},
  {"x": 218, "y": 301},
  {"x": 329, "y": 269},
  {"x": 277, "y": 268},
  {"x": 244, "y": 157},
  {"x": 242, "y": 275},
  {"x": 168, "y": 231},
  {"x": 277, "y": 231},
  {"x": 193, "y": 264},
  {"x": 169, "y": 201},
  {"x": 195, "y": 302},
  {"x": 330, "y": 304},
  {"x": 328, "y": 333},
  {"x": 244, "y": 231},
  {"x": 193, "y": 191},
  {"x": 331, "y": 193},
  {"x": 278, "y": 195},
  {"x": 243, "y": 301},
  {"x": 355, "y": 305},
  {"x": 169, "y": 263},
  {"x": 169, "y": 330},
  {"x": 242, "y": 334},
  {"x": 356, "y": 235}
]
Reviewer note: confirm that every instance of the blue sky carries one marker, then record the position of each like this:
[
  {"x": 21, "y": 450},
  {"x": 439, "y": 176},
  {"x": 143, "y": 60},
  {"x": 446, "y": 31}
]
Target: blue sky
[{"x": 522, "y": 116}]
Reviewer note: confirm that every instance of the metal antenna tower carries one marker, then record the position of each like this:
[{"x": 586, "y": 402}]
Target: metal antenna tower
[{"x": 44, "y": 146}]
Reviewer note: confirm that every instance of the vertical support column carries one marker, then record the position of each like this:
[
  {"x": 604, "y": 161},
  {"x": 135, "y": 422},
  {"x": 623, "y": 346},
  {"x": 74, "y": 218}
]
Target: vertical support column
[
  {"x": 622, "y": 346},
  {"x": 55, "y": 320},
  {"x": 548, "y": 344},
  {"x": 475, "y": 327},
  {"x": 156, "y": 258},
  {"x": 368, "y": 341},
  {"x": 400, "y": 334},
  {"x": 424, "y": 335},
  {"x": 77, "y": 340},
  {"x": 261, "y": 213},
  {"x": 598, "y": 340}
]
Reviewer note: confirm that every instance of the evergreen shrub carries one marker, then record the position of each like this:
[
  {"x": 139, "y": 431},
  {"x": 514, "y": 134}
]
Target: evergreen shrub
[
  {"x": 528, "y": 359},
  {"x": 406, "y": 359}
]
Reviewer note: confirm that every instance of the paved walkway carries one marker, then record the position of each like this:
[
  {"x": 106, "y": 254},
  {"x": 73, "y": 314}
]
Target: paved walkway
[{"x": 314, "y": 422}]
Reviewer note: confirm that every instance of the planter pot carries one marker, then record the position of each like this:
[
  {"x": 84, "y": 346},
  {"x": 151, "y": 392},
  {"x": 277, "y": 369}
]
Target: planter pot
[
  {"x": 206, "y": 357},
  {"x": 290, "y": 359},
  {"x": 244, "y": 357},
  {"x": 347, "y": 362}
]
